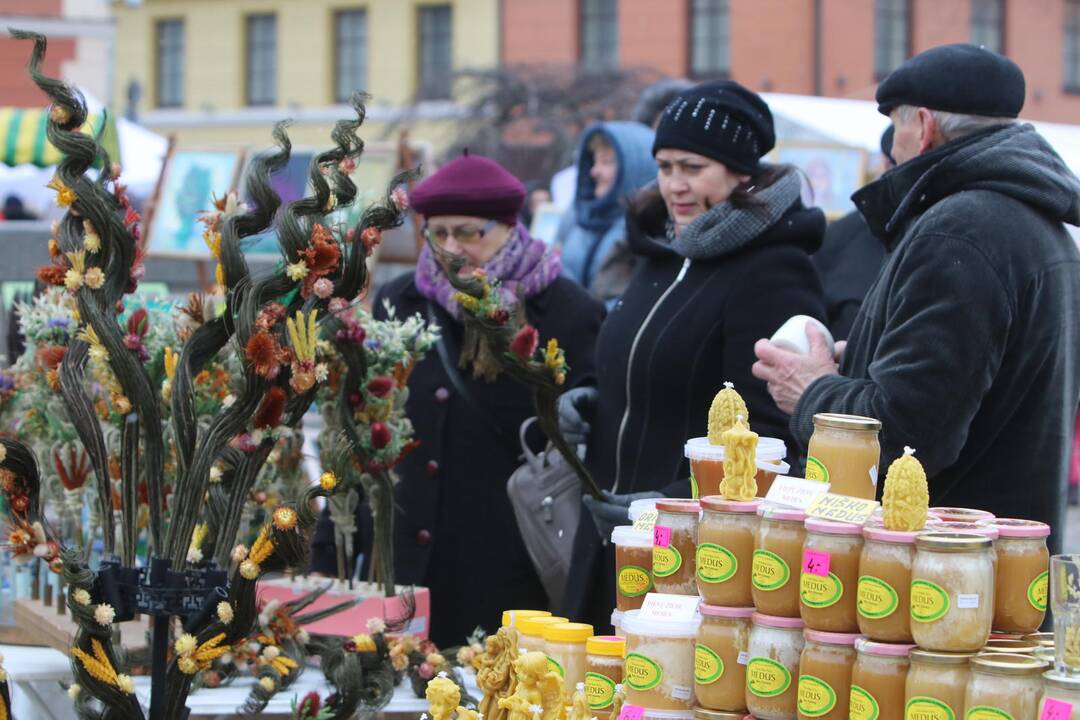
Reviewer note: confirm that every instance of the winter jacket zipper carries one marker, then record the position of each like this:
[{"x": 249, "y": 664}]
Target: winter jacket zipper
[{"x": 629, "y": 368}]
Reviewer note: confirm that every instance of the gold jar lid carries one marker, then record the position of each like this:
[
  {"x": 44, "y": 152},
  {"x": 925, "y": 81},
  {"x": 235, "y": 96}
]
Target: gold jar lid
[
  {"x": 941, "y": 658},
  {"x": 952, "y": 542},
  {"x": 1066, "y": 682},
  {"x": 846, "y": 422},
  {"x": 701, "y": 713},
  {"x": 1006, "y": 664},
  {"x": 1046, "y": 639},
  {"x": 1011, "y": 647}
]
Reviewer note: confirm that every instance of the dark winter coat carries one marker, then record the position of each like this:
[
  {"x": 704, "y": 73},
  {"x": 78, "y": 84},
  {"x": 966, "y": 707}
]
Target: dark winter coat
[
  {"x": 848, "y": 262},
  {"x": 681, "y": 330},
  {"x": 966, "y": 348},
  {"x": 454, "y": 529}
]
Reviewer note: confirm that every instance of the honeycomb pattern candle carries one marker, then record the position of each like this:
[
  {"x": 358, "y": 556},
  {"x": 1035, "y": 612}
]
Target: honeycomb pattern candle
[
  {"x": 906, "y": 497},
  {"x": 726, "y": 408},
  {"x": 740, "y": 452}
]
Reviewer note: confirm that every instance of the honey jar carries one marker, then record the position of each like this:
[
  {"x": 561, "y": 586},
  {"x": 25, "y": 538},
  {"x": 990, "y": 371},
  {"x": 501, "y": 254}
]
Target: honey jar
[
  {"x": 510, "y": 617},
  {"x": 1062, "y": 693},
  {"x": 829, "y": 576},
  {"x": 878, "y": 680},
  {"x": 825, "y": 675},
  {"x": 603, "y": 672},
  {"x": 776, "y": 644},
  {"x": 1022, "y": 582},
  {"x": 674, "y": 547},
  {"x": 1003, "y": 687},
  {"x": 955, "y": 514},
  {"x": 720, "y": 657},
  {"x": 884, "y": 593},
  {"x": 844, "y": 451},
  {"x": 658, "y": 671},
  {"x": 777, "y": 561},
  {"x": 1010, "y": 647},
  {"x": 564, "y": 645},
  {"x": 952, "y": 591},
  {"x": 707, "y": 465},
  {"x": 935, "y": 686},
  {"x": 633, "y": 566},
  {"x": 725, "y": 551},
  {"x": 531, "y": 631}
]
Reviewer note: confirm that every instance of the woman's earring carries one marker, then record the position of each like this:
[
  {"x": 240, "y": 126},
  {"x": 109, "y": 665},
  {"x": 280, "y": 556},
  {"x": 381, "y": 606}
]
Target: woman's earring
[{"x": 751, "y": 188}]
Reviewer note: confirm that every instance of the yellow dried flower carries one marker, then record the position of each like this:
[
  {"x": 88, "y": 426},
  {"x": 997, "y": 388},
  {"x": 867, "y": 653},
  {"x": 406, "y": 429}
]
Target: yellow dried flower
[
  {"x": 225, "y": 612},
  {"x": 91, "y": 240},
  {"x": 267, "y": 683},
  {"x": 249, "y": 570},
  {"x": 297, "y": 271},
  {"x": 285, "y": 518},
  {"x": 327, "y": 481},
  {"x": 364, "y": 643},
  {"x": 186, "y": 644},
  {"x": 73, "y": 279},
  {"x": 125, "y": 684},
  {"x": 65, "y": 196},
  {"x": 187, "y": 665}
]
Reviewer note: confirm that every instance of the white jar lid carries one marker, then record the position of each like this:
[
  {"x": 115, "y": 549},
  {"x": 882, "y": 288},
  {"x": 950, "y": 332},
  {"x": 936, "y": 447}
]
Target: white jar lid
[{"x": 633, "y": 624}]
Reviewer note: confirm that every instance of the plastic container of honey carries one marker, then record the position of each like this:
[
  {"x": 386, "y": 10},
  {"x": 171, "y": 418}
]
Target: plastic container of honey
[
  {"x": 884, "y": 593},
  {"x": 531, "y": 631},
  {"x": 878, "y": 680},
  {"x": 603, "y": 672},
  {"x": 952, "y": 591},
  {"x": 720, "y": 657},
  {"x": 510, "y": 617},
  {"x": 1022, "y": 583},
  {"x": 1062, "y": 693},
  {"x": 825, "y": 675},
  {"x": 674, "y": 547},
  {"x": 829, "y": 576},
  {"x": 1003, "y": 687},
  {"x": 776, "y": 644},
  {"x": 616, "y": 621},
  {"x": 725, "y": 550},
  {"x": 707, "y": 464},
  {"x": 633, "y": 566},
  {"x": 777, "y": 561},
  {"x": 844, "y": 450},
  {"x": 658, "y": 671},
  {"x": 935, "y": 685},
  {"x": 564, "y": 645}
]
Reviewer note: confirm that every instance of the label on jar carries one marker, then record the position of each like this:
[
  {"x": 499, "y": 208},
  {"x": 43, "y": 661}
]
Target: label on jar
[
  {"x": 767, "y": 678},
  {"x": 708, "y": 666},
  {"x": 927, "y": 708},
  {"x": 556, "y": 666},
  {"x": 681, "y": 692},
  {"x": 641, "y": 672},
  {"x": 967, "y": 601},
  {"x": 816, "y": 470},
  {"x": 876, "y": 598},
  {"x": 984, "y": 712},
  {"x": 862, "y": 705},
  {"x": 815, "y": 697},
  {"x": 744, "y": 657},
  {"x": 715, "y": 564},
  {"x": 1037, "y": 591},
  {"x": 929, "y": 602},
  {"x": 634, "y": 581},
  {"x": 693, "y": 486},
  {"x": 769, "y": 571},
  {"x": 666, "y": 561},
  {"x": 820, "y": 592},
  {"x": 599, "y": 691}
]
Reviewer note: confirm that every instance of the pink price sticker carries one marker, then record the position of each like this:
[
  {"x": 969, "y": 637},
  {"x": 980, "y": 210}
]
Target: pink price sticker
[
  {"x": 1055, "y": 710},
  {"x": 815, "y": 562},
  {"x": 631, "y": 712},
  {"x": 661, "y": 536}
]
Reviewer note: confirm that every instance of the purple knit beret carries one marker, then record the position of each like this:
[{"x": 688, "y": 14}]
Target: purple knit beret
[{"x": 470, "y": 185}]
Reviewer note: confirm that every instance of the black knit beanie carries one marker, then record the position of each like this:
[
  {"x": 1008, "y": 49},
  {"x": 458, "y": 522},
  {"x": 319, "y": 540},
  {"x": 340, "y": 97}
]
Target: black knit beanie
[{"x": 721, "y": 120}]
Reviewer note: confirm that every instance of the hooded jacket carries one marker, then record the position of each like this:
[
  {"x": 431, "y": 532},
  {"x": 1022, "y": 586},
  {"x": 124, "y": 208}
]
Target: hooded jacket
[
  {"x": 593, "y": 230},
  {"x": 966, "y": 347}
]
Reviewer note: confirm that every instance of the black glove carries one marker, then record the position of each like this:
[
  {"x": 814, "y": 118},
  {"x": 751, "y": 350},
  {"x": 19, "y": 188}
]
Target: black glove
[
  {"x": 613, "y": 510},
  {"x": 574, "y": 406}
]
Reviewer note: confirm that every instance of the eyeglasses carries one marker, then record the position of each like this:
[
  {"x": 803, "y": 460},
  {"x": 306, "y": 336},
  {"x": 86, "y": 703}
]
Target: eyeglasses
[{"x": 462, "y": 233}]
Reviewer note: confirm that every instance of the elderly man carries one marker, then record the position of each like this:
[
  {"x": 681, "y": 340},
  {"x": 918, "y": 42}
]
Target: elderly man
[{"x": 967, "y": 347}]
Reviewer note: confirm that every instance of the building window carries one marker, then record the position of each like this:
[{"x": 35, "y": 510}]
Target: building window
[
  {"x": 436, "y": 61},
  {"x": 599, "y": 34},
  {"x": 988, "y": 24},
  {"x": 1071, "y": 71},
  {"x": 170, "y": 63},
  {"x": 350, "y": 53},
  {"x": 261, "y": 81},
  {"x": 710, "y": 38},
  {"x": 892, "y": 33}
]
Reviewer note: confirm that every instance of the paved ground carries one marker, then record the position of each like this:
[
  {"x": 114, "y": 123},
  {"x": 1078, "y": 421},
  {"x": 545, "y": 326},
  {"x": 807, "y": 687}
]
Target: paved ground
[{"x": 1072, "y": 530}]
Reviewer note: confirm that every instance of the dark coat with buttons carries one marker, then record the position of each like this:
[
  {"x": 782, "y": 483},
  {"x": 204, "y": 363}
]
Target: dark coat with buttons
[{"x": 454, "y": 529}]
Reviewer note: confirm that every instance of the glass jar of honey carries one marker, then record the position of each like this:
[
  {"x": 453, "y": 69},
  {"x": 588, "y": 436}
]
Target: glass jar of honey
[
  {"x": 777, "y": 561},
  {"x": 674, "y": 547},
  {"x": 776, "y": 644},
  {"x": 725, "y": 550},
  {"x": 1022, "y": 582},
  {"x": 603, "y": 672},
  {"x": 707, "y": 465},
  {"x": 877, "y": 681},
  {"x": 825, "y": 675},
  {"x": 633, "y": 566},
  {"x": 1003, "y": 687},
  {"x": 658, "y": 671},
  {"x": 829, "y": 576},
  {"x": 1062, "y": 694},
  {"x": 844, "y": 451},
  {"x": 884, "y": 593},
  {"x": 701, "y": 713},
  {"x": 952, "y": 591},
  {"x": 720, "y": 657},
  {"x": 935, "y": 685},
  {"x": 1010, "y": 646}
]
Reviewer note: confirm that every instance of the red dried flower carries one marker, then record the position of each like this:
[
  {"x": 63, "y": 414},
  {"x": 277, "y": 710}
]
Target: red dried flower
[
  {"x": 139, "y": 323},
  {"x": 525, "y": 342},
  {"x": 19, "y": 503},
  {"x": 380, "y": 435},
  {"x": 321, "y": 257},
  {"x": 310, "y": 705},
  {"x": 49, "y": 357},
  {"x": 380, "y": 386},
  {"x": 52, "y": 274},
  {"x": 371, "y": 237},
  {"x": 272, "y": 407},
  {"x": 264, "y": 353}
]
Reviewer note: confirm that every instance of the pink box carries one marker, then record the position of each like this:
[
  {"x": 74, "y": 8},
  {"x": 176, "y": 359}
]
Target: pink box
[{"x": 354, "y": 620}]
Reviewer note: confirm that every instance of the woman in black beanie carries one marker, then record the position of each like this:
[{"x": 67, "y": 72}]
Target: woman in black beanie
[{"x": 724, "y": 245}]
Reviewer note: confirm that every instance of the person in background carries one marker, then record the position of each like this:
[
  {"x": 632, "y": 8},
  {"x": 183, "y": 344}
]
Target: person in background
[
  {"x": 536, "y": 194},
  {"x": 614, "y": 162},
  {"x": 967, "y": 347},
  {"x": 723, "y": 245},
  {"x": 15, "y": 210},
  {"x": 849, "y": 260}
]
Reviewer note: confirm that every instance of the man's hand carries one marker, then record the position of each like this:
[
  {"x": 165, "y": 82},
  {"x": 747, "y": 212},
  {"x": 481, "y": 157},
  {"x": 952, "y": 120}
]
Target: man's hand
[{"x": 788, "y": 374}]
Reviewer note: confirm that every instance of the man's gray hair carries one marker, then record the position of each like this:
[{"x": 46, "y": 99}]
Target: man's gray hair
[{"x": 954, "y": 126}]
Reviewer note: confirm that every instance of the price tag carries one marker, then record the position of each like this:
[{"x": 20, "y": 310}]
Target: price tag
[
  {"x": 661, "y": 536},
  {"x": 659, "y": 606},
  {"x": 646, "y": 520},
  {"x": 1055, "y": 710},
  {"x": 967, "y": 602},
  {"x": 681, "y": 692},
  {"x": 631, "y": 712},
  {"x": 795, "y": 493},
  {"x": 744, "y": 657},
  {"x": 841, "y": 508},
  {"x": 815, "y": 562}
]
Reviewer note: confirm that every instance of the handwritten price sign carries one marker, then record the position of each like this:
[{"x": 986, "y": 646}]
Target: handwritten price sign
[
  {"x": 632, "y": 712},
  {"x": 661, "y": 536},
  {"x": 815, "y": 562},
  {"x": 1055, "y": 710}
]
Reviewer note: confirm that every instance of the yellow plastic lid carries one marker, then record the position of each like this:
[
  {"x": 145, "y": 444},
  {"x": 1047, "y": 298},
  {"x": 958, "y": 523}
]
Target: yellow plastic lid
[
  {"x": 535, "y": 625},
  {"x": 512, "y": 617},
  {"x": 610, "y": 645},
  {"x": 567, "y": 632}
]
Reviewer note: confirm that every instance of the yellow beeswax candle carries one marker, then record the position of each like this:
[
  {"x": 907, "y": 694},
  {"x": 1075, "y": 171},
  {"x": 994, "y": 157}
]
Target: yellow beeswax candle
[
  {"x": 726, "y": 407},
  {"x": 740, "y": 470},
  {"x": 906, "y": 497}
]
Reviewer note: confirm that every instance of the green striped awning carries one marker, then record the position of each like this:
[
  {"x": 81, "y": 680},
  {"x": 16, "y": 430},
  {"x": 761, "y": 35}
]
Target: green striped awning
[{"x": 22, "y": 136}]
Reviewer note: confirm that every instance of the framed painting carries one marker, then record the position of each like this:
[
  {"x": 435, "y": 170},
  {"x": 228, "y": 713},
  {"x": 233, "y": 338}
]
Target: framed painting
[{"x": 832, "y": 173}]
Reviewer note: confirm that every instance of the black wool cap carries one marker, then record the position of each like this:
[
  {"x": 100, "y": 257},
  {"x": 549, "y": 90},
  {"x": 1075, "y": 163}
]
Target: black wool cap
[
  {"x": 721, "y": 120},
  {"x": 961, "y": 78}
]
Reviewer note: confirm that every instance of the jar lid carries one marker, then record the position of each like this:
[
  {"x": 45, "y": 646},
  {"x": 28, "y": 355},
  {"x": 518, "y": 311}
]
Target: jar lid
[
  {"x": 958, "y": 514},
  {"x": 638, "y": 507},
  {"x": 885, "y": 649},
  {"x": 568, "y": 632},
  {"x": 1046, "y": 639},
  {"x": 678, "y": 505},
  {"x": 722, "y": 504},
  {"x": 880, "y": 534},
  {"x": 607, "y": 645},
  {"x": 773, "y": 512},
  {"x": 767, "y": 449},
  {"x": 510, "y": 618},
  {"x": 941, "y": 658},
  {"x": 846, "y": 422},
  {"x": 1066, "y": 682},
  {"x": 777, "y": 621},
  {"x": 1018, "y": 527},
  {"x": 1012, "y": 647},
  {"x": 974, "y": 528},
  {"x": 952, "y": 542},
  {"x": 701, "y": 713},
  {"x": 831, "y": 527},
  {"x": 633, "y": 624},
  {"x": 1006, "y": 664},
  {"x": 626, "y": 535},
  {"x": 535, "y": 625},
  {"x": 650, "y": 714},
  {"x": 831, "y": 638},
  {"x": 725, "y": 611}
]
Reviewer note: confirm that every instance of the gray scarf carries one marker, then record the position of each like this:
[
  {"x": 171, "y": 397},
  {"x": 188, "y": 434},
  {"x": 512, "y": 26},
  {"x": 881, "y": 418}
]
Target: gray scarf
[{"x": 725, "y": 228}]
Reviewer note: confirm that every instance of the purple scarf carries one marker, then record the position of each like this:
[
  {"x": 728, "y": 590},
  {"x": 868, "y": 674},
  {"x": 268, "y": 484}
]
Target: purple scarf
[{"x": 523, "y": 263}]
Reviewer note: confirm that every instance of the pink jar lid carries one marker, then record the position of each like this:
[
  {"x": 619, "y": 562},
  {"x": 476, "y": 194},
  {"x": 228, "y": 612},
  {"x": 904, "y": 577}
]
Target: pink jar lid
[
  {"x": 831, "y": 527},
  {"x": 880, "y": 648},
  {"x": 831, "y": 638},
  {"x": 678, "y": 505},
  {"x": 781, "y": 513},
  {"x": 1017, "y": 527},
  {"x": 955, "y": 514},
  {"x": 724, "y": 611},
  {"x": 899, "y": 537},
  {"x": 777, "y": 621},
  {"x": 719, "y": 502},
  {"x": 989, "y": 531}
]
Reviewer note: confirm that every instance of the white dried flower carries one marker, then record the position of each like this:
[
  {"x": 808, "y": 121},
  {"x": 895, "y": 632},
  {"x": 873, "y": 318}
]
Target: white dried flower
[
  {"x": 74, "y": 690},
  {"x": 271, "y": 652},
  {"x": 186, "y": 644},
  {"x": 376, "y": 625},
  {"x": 228, "y": 400},
  {"x": 194, "y": 555},
  {"x": 104, "y": 614},
  {"x": 126, "y": 684},
  {"x": 239, "y": 553},
  {"x": 225, "y": 612},
  {"x": 81, "y": 596}
]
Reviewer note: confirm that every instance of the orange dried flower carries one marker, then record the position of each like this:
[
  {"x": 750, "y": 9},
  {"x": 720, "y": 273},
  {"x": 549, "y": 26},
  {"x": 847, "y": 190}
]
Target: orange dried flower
[
  {"x": 272, "y": 407},
  {"x": 264, "y": 353}
]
